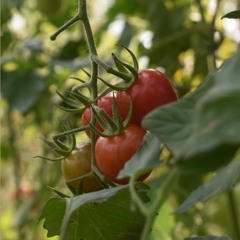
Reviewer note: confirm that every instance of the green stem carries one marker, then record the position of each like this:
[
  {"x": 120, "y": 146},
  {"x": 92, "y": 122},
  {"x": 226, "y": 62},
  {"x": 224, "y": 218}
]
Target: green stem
[
  {"x": 17, "y": 164},
  {"x": 66, "y": 218},
  {"x": 92, "y": 85},
  {"x": 158, "y": 201},
  {"x": 216, "y": 12},
  {"x": 104, "y": 181},
  {"x": 135, "y": 198},
  {"x": 201, "y": 10},
  {"x": 15, "y": 153},
  {"x": 234, "y": 213},
  {"x": 65, "y": 26},
  {"x": 213, "y": 22},
  {"x": 82, "y": 16}
]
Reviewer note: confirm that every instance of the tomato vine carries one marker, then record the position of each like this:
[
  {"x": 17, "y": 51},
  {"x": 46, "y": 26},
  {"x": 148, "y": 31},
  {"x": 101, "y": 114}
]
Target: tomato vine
[
  {"x": 108, "y": 129},
  {"x": 128, "y": 75}
]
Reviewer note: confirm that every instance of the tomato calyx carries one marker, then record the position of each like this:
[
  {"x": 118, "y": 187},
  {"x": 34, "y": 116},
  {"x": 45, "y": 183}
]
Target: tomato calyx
[
  {"x": 126, "y": 72},
  {"x": 74, "y": 100},
  {"x": 58, "y": 147},
  {"x": 110, "y": 126}
]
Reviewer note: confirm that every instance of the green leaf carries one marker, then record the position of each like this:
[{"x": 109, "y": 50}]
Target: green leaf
[
  {"x": 104, "y": 214},
  {"x": 224, "y": 179},
  {"x": 209, "y": 238},
  {"x": 203, "y": 124},
  {"x": 233, "y": 14},
  {"x": 144, "y": 160}
]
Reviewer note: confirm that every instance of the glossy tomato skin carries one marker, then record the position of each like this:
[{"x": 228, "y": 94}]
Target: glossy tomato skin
[
  {"x": 106, "y": 103},
  {"x": 113, "y": 152},
  {"x": 151, "y": 90},
  {"x": 77, "y": 164}
]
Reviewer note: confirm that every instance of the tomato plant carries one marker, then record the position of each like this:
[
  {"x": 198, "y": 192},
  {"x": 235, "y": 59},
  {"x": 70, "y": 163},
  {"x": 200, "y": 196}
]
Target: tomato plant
[
  {"x": 113, "y": 152},
  {"x": 106, "y": 103},
  {"x": 184, "y": 139},
  {"x": 151, "y": 90},
  {"x": 77, "y": 164}
]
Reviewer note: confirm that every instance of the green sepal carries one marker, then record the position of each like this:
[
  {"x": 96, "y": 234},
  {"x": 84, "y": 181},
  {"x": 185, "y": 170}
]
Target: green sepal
[
  {"x": 78, "y": 79},
  {"x": 121, "y": 86},
  {"x": 85, "y": 84},
  {"x": 118, "y": 64},
  {"x": 71, "y": 110},
  {"x": 62, "y": 152},
  {"x": 128, "y": 73},
  {"x": 106, "y": 126},
  {"x": 116, "y": 116},
  {"x": 60, "y": 148},
  {"x": 135, "y": 62},
  {"x": 132, "y": 70},
  {"x": 129, "y": 115},
  {"x": 59, "y": 194},
  {"x": 57, "y": 159},
  {"x": 111, "y": 126},
  {"x": 106, "y": 122},
  {"x": 86, "y": 72},
  {"x": 78, "y": 96},
  {"x": 74, "y": 99},
  {"x": 69, "y": 100},
  {"x": 49, "y": 143}
]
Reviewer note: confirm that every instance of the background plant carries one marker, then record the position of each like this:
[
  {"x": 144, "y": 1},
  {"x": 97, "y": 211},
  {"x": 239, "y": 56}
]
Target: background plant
[{"x": 36, "y": 67}]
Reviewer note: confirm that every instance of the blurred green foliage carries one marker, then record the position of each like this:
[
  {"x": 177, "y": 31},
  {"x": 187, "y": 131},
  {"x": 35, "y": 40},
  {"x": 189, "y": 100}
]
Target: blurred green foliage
[{"x": 187, "y": 39}]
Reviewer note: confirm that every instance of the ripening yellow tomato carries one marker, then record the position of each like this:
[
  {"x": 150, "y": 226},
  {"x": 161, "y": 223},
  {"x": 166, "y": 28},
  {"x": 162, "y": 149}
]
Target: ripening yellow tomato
[{"x": 77, "y": 164}]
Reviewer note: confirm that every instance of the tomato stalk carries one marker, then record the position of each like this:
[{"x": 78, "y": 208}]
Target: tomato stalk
[
  {"x": 77, "y": 102},
  {"x": 233, "y": 208},
  {"x": 74, "y": 96},
  {"x": 93, "y": 87},
  {"x": 150, "y": 211}
]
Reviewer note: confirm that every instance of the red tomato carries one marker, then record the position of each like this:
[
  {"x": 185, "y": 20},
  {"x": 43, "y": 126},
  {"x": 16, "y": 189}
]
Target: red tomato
[
  {"x": 77, "y": 164},
  {"x": 151, "y": 90},
  {"x": 113, "y": 152},
  {"x": 106, "y": 103}
]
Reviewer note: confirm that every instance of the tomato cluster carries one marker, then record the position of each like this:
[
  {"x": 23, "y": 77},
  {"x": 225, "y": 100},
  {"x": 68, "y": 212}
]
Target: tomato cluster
[{"x": 151, "y": 90}]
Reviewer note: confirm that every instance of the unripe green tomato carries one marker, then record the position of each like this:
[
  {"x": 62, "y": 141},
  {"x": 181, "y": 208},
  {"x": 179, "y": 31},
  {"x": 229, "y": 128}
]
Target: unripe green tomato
[{"x": 77, "y": 164}]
